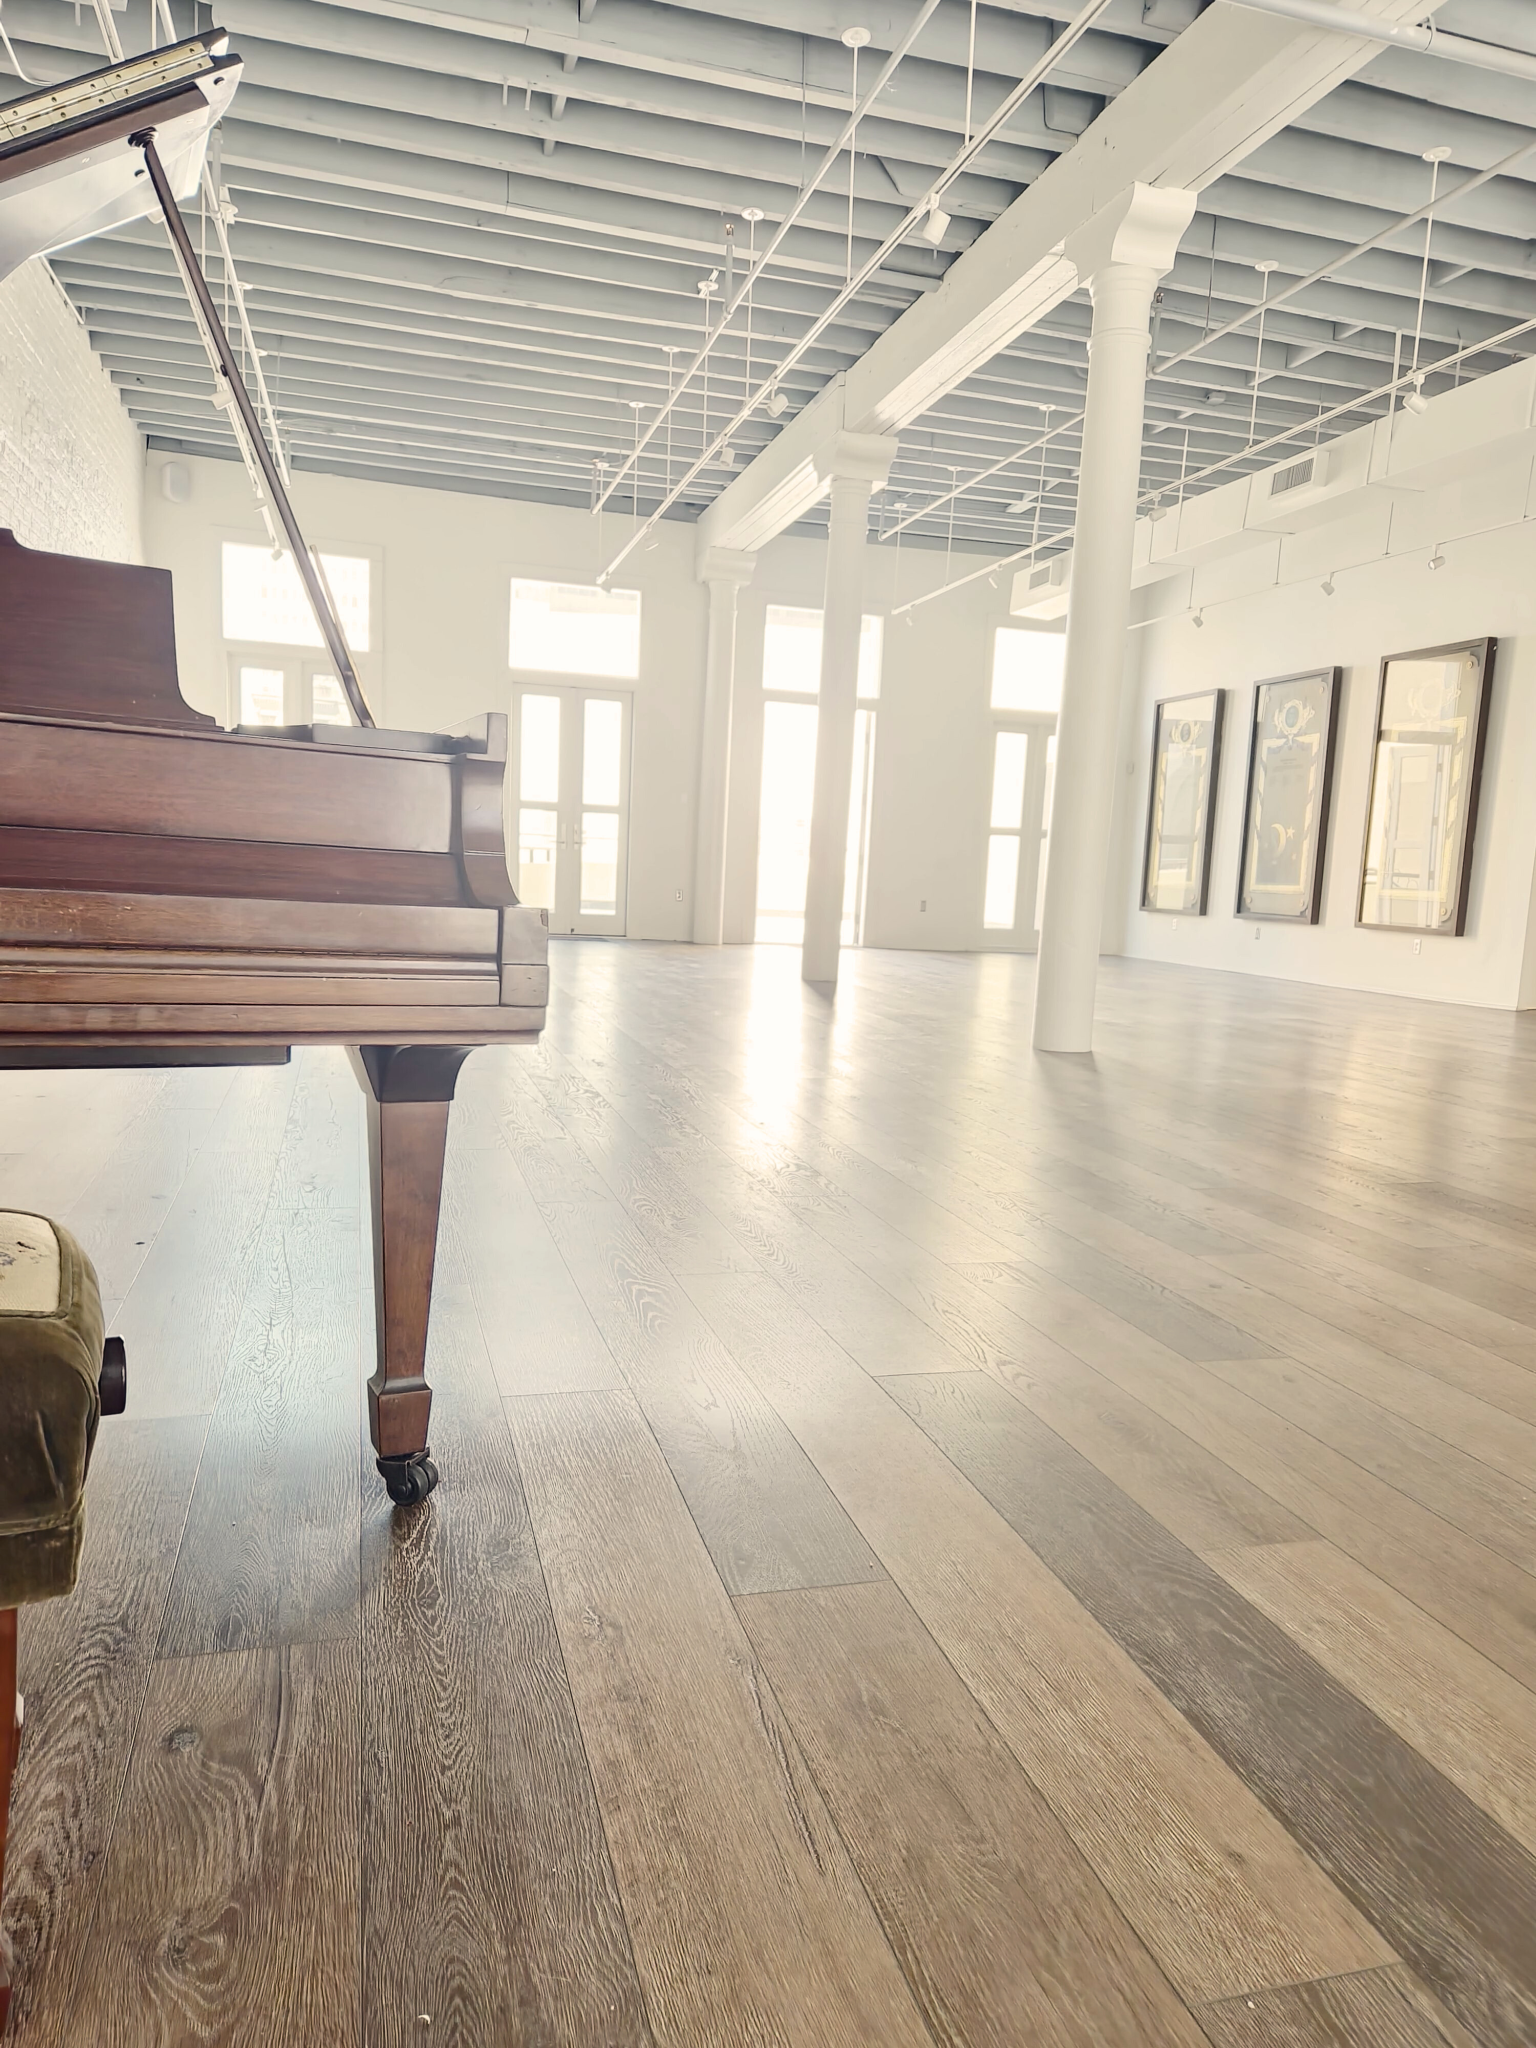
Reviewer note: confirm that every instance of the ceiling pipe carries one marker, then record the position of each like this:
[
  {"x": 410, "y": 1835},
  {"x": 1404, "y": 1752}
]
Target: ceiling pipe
[
  {"x": 850, "y": 127},
  {"x": 1061, "y": 47},
  {"x": 1389, "y": 390},
  {"x": 1430, "y": 41}
]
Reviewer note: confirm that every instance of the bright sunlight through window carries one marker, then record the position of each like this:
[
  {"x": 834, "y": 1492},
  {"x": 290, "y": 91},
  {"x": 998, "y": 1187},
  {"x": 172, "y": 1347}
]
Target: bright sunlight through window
[
  {"x": 574, "y": 629},
  {"x": 792, "y": 651},
  {"x": 264, "y": 600},
  {"x": 1026, "y": 670}
]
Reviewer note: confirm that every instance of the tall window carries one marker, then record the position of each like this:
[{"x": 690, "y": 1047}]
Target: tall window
[
  {"x": 1025, "y": 698},
  {"x": 792, "y": 652},
  {"x": 274, "y": 680},
  {"x": 791, "y": 675},
  {"x": 574, "y": 629},
  {"x": 264, "y": 600}
]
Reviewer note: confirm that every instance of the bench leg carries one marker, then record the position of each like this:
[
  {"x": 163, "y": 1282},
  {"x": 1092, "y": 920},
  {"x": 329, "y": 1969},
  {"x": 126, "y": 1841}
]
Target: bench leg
[
  {"x": 408, "y": 1089},
  {"x": 10, "y": 1743}
]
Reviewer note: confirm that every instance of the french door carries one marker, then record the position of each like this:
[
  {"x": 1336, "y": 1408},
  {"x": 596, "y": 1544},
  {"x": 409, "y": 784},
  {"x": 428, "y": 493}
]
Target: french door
[
  {"x": 570, "y": 811},
  {"x": 1018, "y": 838}
]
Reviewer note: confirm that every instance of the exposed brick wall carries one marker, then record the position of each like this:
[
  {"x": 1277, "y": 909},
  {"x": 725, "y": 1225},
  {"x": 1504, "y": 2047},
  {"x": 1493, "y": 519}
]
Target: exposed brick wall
[{"x": 71, "y": 460}]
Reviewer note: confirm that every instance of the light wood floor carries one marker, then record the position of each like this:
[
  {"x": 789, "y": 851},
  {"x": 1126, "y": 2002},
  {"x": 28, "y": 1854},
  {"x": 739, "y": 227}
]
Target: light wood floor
[{"x": 936, "y": 1545}]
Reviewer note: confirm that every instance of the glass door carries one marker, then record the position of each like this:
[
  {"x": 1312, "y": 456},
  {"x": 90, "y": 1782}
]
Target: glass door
[
  {"x": 1018, "y": 837},
  {"x": 570, "y": 773}
]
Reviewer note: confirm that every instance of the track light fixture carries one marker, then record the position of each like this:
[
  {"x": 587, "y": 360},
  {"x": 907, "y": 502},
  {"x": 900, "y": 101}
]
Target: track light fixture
[
  {"x": 778, "y": 404},
  {"x": 1437, "y": 559},
  {"x": 1414, "y": 401},
  {"x": 935, "y": 227},
  {"x": 1199, "y": 618},
  {"x": 1327, "y": 585}
]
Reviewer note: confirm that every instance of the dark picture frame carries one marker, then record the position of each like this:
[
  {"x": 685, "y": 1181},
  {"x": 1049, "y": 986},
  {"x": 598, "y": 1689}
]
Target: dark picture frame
[
  {"x": 1430, "y": 736},
  {"x": 1181, "y": 802},
  {"x": 1292, "y": 734}
]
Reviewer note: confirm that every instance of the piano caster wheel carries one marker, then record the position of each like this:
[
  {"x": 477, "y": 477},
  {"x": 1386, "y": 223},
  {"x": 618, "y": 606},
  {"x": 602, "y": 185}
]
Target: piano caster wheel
[
  {"x": 113, "y": 1380},
  {"x": 408, "y": 1480}
]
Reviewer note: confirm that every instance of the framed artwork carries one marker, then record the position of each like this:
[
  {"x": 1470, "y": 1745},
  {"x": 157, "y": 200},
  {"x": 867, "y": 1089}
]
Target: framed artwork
[
  {"x": 1285, "y": 813},
  {"x": 1181, "y": 810},
  {"x": 1431, "y": 725}
]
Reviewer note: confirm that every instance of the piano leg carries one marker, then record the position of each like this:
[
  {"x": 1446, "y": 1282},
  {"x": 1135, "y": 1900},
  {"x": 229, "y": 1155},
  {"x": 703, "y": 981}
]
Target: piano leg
[{"x": 409, "y": 1089}]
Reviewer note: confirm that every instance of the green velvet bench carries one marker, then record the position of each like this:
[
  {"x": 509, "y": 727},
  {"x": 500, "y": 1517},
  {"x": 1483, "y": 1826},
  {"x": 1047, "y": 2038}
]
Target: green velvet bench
[{"x": 57, "y": 1378}]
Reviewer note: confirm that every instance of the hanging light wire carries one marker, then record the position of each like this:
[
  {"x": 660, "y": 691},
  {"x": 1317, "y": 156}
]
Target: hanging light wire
[
  {"x": 970, "y": 75},
  {"x": 1068, "y": 39},
  {"x": 839, "y": 143},
  {"x": 1233, "y": 326},
  {"x": 1264, "y": 268},
  {"x": 1434, "y": 158},
  {"x": 1493, "y": 343}
]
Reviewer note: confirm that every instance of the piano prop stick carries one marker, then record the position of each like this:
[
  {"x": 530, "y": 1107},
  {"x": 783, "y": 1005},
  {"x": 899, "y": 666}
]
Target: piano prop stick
[
  {"x": 173, "y": 893},
  {"x": 310, "y": 572}
]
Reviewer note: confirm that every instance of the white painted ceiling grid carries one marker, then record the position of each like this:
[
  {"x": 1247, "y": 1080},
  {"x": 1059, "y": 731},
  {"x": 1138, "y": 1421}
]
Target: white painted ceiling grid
[{"x": 473, "y": 238}]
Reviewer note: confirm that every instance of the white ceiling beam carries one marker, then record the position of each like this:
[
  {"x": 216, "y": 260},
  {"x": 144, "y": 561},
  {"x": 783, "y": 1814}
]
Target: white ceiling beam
[{"x": 1224, "y": 87}]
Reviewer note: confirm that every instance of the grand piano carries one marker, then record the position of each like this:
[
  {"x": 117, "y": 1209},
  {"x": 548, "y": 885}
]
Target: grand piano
[{"x": 172, "y": 893}]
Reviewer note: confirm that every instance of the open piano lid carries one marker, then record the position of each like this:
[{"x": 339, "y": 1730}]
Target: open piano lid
[{"x": 66, "y": 170}]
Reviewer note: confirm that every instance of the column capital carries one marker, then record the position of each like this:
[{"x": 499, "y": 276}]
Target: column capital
[
  {"x": 856, "y": 458},
  {"x": 1141, "y": 227},
  {"x": 724, "y": 565}
]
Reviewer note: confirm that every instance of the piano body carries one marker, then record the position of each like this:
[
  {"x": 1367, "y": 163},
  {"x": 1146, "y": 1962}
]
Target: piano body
[{"x": 172, "y": 893}]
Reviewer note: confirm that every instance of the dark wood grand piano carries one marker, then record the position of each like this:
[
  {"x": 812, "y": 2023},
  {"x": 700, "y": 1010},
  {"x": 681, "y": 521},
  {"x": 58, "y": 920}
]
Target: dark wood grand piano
[{"x": 175, "y": 894}]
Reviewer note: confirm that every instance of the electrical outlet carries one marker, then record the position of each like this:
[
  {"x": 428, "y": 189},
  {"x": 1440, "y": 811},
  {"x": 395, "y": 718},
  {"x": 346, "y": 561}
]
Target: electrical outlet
[
  {"x": 1418, "y": 945},
  {"x": 922, "y": 902},
  {"x": 1258, "y": 933},
  {"x": 679, "y": 895},
  {"x": 1175, "y": 924}
]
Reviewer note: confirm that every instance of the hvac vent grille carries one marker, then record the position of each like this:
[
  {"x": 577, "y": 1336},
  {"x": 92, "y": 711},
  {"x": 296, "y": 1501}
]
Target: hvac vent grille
[
  {"x": 1039, "y": 576},
  {"x": 1293, "y": 478}
]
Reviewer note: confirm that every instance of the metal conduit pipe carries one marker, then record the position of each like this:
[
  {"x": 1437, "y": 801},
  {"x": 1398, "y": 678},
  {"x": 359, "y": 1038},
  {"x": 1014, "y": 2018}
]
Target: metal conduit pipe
[{"x": 1430, "y": 41}]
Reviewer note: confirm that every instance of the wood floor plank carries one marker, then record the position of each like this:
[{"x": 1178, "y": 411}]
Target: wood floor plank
[
  {"x": 179, "y": 1317},
  {"x": 489, "y": 1900},
  {"x": 769, "y": 1519},
  {"x": 1471, "y": 1720},
  {"x": 271, "y": 1552},
  {"x": 1003, "y": 1931},
  {"x": 232, "y": 1891},
  {"x": 1215, "y": 1887},
  {"x": 1452, "y": 1893},
  {"x": 1496, "y": 1508},
  {"x": 1389, "y": 1327},
  {"x": 747, "y": 1919},
  {"x": 538, "y": 1331},
  {"x": 1376, "y": 2009},
  {"x": 1477, "y": 1594},
  {"x": 1193, "y": 1493},
  {"x": 85, "y": 1668}
]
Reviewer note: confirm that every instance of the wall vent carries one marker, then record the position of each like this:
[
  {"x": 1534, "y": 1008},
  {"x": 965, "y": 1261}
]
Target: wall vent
[
  {"x": 1039, "y": 576},
  {"x": 1293, "y": 478}
]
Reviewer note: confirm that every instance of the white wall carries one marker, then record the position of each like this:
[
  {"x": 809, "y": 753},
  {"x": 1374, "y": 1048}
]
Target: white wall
[
  {"x": 445, "y": 562},
  {"x": 71, "y": 460},
  {"x": 1381, "y": 606}
]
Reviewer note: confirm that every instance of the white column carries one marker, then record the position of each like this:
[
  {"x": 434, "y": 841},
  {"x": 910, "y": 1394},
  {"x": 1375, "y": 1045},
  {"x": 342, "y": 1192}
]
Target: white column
[
  {"x": 723, "y": 571},
  {"x": 1120, "y": 255},
  {"x": 856, "y": 463}
]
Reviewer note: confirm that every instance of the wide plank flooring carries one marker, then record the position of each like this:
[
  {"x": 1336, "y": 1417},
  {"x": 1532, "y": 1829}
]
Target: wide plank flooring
[{"x": 937, "y": 1545}]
